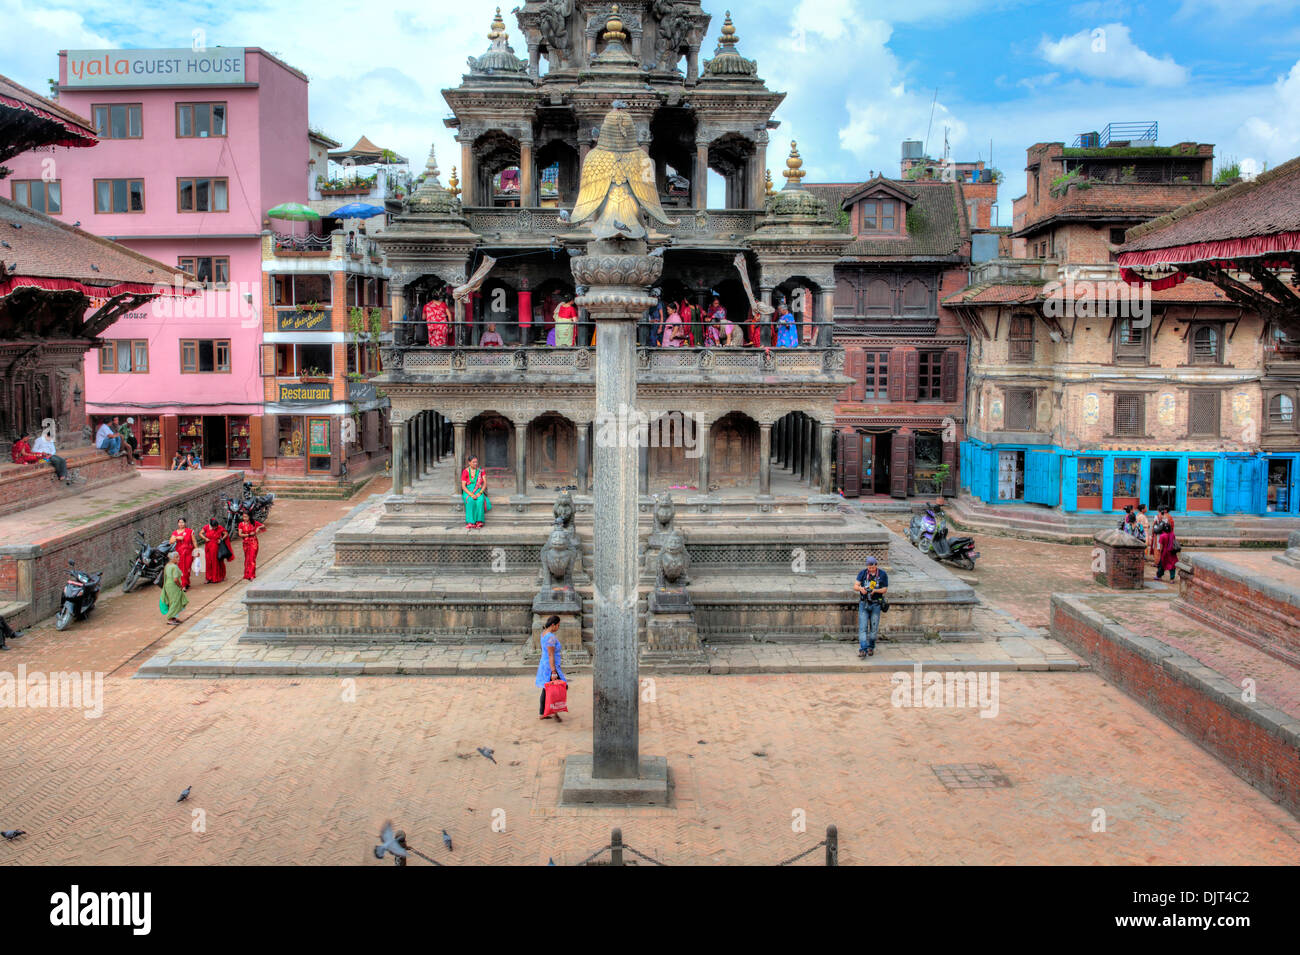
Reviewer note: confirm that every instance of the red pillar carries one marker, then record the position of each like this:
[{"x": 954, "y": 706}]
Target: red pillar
[{"x": 525, "y": 313}]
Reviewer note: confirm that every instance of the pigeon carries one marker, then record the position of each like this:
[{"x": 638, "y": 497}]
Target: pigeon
[
  {"x": 94, "y": 267},
  {"x": 446, "y": 840},
  {"x": 622, "y": 227},
  {"x": 5, "y": 243},
  {"x": 388, "y": 843},
  {"x": 16, "y": 225},
  {"x": 185, "y": 795},
  {"x": 659, "y": 252},
  {"x": 12, "y": 834},
  {"x": 486, "y": 753},
  {"x": 77, "y": 224}
]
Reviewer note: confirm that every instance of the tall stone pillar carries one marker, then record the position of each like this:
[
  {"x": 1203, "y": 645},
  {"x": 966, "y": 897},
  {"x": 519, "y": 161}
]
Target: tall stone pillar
[
  {"x": 521, "y": 458},
  {"x": 417, "y": 447},
  {"x": 827, "y": 432},
  {"x": 797, "y": 447},
  {"x": 397, "y": 306},
  {"x": 643, "y": 462},
  {"x": 527, "y": 176},
  {"x": 765, "y": 458},
  {"x": 583, "y": 429},
  {"x": 437, "y": 436},
  {"x": 700, "y": 179},
  {"x": 468, "y": 175},
  {"x": 458, "y": 454},
  {"x": 398, "y": 454},
  {"x": 826, "y": 300},
  {"x": 702, "y": 439}
]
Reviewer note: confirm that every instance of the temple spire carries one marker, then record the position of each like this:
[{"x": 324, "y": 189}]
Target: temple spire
[
  {"x": 431, "y": 164},
  {"x": 726, "y": 62},
  {"x": 453, "y": 184},
  {"x": 794, "y": 171}
]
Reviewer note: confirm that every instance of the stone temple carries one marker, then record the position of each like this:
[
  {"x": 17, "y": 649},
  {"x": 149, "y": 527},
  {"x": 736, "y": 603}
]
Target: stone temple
[{"x": 740, "y": 536}]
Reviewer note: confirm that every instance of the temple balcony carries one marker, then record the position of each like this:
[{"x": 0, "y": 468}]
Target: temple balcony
[{"x": 513, "y": 225}]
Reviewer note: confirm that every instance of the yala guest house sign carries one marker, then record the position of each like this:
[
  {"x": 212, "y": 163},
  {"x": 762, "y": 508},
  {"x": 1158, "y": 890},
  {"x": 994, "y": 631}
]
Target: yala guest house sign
[{"x": 180, "y": 67}]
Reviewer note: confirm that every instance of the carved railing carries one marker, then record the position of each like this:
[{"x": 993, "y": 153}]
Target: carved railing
[
  {"x": 424, "y": 361},
  {"x": 690, "y": 222}
]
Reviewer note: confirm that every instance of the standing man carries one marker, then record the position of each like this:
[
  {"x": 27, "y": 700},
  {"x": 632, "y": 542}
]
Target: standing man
[
  {"x": 9, "y": 633},
  {"x": 127, "y": 433},
  {"x": 871, "y": 585}
]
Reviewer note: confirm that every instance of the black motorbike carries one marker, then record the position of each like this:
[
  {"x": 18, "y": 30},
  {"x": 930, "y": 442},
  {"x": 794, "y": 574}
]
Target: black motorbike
[
  {"x": 258, "y": 507},
  {"x": 956, "y": 550},
  {"x": 79, "y": 596},
  {"x": 149, "y": 564}
]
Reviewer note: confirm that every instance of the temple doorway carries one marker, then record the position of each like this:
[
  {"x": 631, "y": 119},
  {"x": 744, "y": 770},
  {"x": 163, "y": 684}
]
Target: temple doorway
[
  {"x": 733, "y": 451},
  {"x": 551, "y": 453}
]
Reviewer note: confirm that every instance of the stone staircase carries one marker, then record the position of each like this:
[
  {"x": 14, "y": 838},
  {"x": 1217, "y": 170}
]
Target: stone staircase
[{"x": 23, "y": 486}]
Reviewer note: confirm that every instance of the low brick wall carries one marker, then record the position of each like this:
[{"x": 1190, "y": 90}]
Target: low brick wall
[
  {"x": 1251, "y": 607},
  {"x": 34, "y": 572},
  {"x": 1258, "y": 742}
]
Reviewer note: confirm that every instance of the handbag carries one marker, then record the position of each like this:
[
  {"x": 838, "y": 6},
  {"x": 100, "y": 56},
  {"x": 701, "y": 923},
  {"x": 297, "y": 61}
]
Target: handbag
[
  {"x": 557, "y": 697},
  {"x": 223, "y": 550},
  {"x": 884, "y": 605},
  {"x": 162, "y": 606}
]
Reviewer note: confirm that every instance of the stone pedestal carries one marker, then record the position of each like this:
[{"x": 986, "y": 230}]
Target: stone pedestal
[
  {"x": 1291, "y": 556},
  {"x": 1123, "y": 565},
  {"x": 649, "y": 787},
  {"x": 671, "y": 631}
]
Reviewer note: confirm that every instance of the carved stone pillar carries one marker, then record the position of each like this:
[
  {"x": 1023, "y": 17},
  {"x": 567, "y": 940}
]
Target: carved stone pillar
[
  {"x": 584, "y": 452},
  {"x": 458, "y": 452},
  {"x": 521, "y": 458},
  {"x": 468, "y": 175},
  {"x": 765, "y": 458},
  {"x": 534, "y": 59},
  {"x": 827, "y": 432},
  {"x": 398, "y": 454},
  {"x": 702, "y": 437},
  {"x": 692, "y": 64},
  {"x": 700, "y": 179},
  {"x": 758, "y": 181},
  {"x": 528, "y": 178}
]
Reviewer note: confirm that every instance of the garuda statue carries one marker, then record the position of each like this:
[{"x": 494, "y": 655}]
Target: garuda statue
[{"x": 618, "y": 192}]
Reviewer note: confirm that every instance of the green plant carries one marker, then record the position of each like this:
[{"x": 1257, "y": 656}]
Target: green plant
[
  {"x": 940, "y": 477},
  {"x": 994, "y": 173},
  {"x": 376, "y": 324},
  {"x": 313, "y": 372},
  {"x": 1128, "y": 172},
  {"x": 842, "y": 220},
  {"x": 312, "y": 307},
  {"x": 1229, "y": 172},
  {"x": 1061, "y": 184}
]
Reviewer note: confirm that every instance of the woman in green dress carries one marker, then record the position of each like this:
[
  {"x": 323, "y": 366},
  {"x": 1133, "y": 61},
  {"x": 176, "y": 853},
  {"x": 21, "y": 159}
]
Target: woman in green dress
[
  {"x": 473, "y": 487},
  {"x": 173, "y": 596}
]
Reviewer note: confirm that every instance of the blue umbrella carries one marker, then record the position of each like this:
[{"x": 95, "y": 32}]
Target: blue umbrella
[{"x": 357, "y": 210}]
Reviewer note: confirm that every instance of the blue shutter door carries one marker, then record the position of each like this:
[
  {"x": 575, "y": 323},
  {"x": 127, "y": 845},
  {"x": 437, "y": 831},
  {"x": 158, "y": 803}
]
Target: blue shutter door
[{"x": 1040, "y": 488}]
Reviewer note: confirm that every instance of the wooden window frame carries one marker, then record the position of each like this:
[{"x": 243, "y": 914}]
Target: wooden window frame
[
  {"x": 225, "y": 104},
  {"x": 1025, "y": 354},
  {"x": 94, "y": 185},
  {"x": 1125, "y": 353},
  {"x": 1281, "y": 427},
  {"x": 218, "y": 346},
  {"x": 1033, "y": 409},
  {"x": 194, "y": 181},
  {"x": 1216, "y": 329},
  {"x": 104, "y": 134},
  {"x": 877, "y": 216},
  {"x": 1141, "y": 398},
  {"x": 1202, "y": 394},
  {"x": 182, "y": 260},
  {"x": 13, "y": 194},
  {"x": 931, "y": 376},
  {"x": 875, "y": 370},
  {"x": 108, "y": 352}
]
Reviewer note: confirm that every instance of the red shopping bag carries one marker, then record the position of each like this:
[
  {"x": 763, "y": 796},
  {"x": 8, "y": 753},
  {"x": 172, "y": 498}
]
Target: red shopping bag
[{"x": 557, "y": 697}]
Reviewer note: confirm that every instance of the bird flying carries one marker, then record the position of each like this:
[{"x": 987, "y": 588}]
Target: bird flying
[{"x": 388, "y": 843}]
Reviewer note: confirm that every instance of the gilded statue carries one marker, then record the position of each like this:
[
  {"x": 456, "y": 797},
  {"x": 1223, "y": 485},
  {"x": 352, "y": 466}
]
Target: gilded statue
[{"x": 618, "y": 192}]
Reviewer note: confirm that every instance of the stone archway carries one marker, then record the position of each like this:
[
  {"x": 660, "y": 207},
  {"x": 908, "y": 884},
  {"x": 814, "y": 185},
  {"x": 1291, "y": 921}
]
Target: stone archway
[
  {"x": 552, "y": 455},
  {"x": 490, "y": 437},
  {"x": 673, "y": 452},
  {"x": 733, "y": 451}
]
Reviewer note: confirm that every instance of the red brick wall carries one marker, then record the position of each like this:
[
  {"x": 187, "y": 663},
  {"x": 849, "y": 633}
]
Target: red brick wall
[
  {"x": 1240, "y": 608},
  {"x": 1252, "y": 739}
]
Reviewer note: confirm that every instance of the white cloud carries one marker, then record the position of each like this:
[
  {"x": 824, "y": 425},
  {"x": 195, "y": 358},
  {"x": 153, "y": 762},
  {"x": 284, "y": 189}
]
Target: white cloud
[
  {"x": 1109, "y": 53},
  {"x": 32, "y": 37},
  {"x": 1277, "y": 136}
]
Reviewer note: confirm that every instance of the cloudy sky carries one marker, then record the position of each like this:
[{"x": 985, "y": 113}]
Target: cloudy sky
[{"x": 861, "y": 75}]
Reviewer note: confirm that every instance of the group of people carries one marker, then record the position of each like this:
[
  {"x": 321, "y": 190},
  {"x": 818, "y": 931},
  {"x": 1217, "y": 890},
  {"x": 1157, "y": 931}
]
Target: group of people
[
  {"x": 215, "y": 541},
  {"x": 672, "y": 325},
  {"x": 1157, "y": 533},
  {"x": 41, "y": 450},
  {"x": 115, "y": 437},
  {"x": 189, "y": 461}
]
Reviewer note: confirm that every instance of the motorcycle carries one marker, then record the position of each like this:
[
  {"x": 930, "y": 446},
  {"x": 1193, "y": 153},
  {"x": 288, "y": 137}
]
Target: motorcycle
[
  {"x": 148, "y": 564},
  {"x": 79, "y": 596},
  {"x": 956, "y": 550},
  {"x": 923, "y": 528},
  {"x": 257, "y": 506}
]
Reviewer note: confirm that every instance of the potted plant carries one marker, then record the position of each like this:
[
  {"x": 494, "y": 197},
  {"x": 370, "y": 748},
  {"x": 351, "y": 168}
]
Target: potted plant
[{"x": 313, "y": 374}]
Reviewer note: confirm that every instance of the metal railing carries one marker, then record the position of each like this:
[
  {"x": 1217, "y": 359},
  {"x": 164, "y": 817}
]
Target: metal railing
[
  {"x": 1142, "y": 132},
  {"x": 650, "y": 333}
]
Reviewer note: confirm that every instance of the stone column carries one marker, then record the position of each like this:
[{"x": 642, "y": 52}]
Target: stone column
[
  {"x": 765, "y": 458},
  {"x": 643, "y": 462},
  {"x": 827, "y": 432},
  {"x": 826, "y": 300},
  {"x": 702, "y": 439},
  {"x": 758, "y": 182},
  {"x": 458, "y": 451},
  {"x": 417, "y": 447},
  {"x": 397, "y": 305},
  {"x": 701, "y": 178},
  {"x": 796, "y": 447},
  {"x": 521, "y": 458},
  {"x": 534, "y": 59},
  {"x": 468, "y": 175},
  {"x": 398, "y": 454},
  {"x": 528, "y": 180},
  {"x": 583, "y": 429},
  {"x": 437, "y": 436}
]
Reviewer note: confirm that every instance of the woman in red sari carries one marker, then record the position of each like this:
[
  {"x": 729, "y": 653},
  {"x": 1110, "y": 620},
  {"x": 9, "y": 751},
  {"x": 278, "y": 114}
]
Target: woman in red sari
[
  {"x": 687, "y": 316},
  {"x": 211, "y": 535},
  {"x": 755, "y": 329},
  {"x": 248, "y": 530},
  {"x": 183, "y": 541},
  {"x": 437, "y": 316}
]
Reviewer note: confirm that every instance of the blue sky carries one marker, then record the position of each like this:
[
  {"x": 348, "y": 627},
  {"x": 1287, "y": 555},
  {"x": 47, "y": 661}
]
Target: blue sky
[{"x": 860, "y": 75}]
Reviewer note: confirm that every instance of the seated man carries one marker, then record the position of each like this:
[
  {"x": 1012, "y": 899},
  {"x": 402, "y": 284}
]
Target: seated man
[
  {"x": 178, "y": 462},
  {"x": 490, "y": 337},
  {"x": 23, "y": 453},
  {"x": 107, "y": 438}
]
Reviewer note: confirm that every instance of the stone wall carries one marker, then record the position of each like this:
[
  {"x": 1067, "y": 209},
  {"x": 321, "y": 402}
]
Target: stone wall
[
  {"x": 1252, "y": 608},
  {"x": 1256, "y": 741}
]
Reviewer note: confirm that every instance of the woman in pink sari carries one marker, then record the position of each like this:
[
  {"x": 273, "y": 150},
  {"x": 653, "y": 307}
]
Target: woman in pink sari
[{"x": 437, "y": 316}]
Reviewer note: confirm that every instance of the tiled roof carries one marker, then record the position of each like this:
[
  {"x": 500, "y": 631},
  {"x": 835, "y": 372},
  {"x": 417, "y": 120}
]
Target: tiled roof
[
  {"x": 1192, "y": 291},
  {"x": 45, "y": 248},
  {"x": 936, "y": 224},
  {"x": 1266, "y": 205},
  {"x": 77, "y": 128}
]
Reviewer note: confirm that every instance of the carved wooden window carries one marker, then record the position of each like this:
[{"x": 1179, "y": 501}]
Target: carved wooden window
[
  {"x": 929, "y": 378},
  {"x": 1281, "y": 412},
  {"x": 1022, "y": 338},
  {"x": 1130, "y": 343},
  {"x": 1207, "y": 345},
  {"x": 1130, "y": 416},
  {"x": 876, "y": 376},
  {"x": 1203, "y": 414},
  {"x": 1021, "y": 408}
]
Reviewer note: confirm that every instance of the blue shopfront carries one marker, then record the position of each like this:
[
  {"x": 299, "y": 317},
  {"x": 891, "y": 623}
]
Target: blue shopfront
[{"x": 1105, "y": 481}]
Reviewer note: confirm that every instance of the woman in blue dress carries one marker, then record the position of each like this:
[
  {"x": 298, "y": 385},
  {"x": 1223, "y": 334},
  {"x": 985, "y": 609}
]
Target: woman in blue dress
[
  {"x": 787, "y": 336},
  {"x": 548, "y": 668}
]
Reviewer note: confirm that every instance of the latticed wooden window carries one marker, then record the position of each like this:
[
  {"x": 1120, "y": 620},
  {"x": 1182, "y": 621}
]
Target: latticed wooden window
[
  {"x": 1205, "y": 345},
  {"x": 1020, "y": 409},
  {"x": 1022, "y": 338},
  {"x": 1130, "y": 342},
  {"x": 1203, "y": 414},
  {"x": 1130, "y": 416},
  {"x": 876, "y": 377}
]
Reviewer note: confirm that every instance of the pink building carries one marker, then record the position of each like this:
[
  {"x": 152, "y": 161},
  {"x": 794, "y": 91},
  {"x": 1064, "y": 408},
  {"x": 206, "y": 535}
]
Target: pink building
[{"x": 194, "y": 147}]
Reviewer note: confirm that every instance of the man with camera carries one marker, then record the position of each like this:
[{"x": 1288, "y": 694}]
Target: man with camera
[{"x": 871, "y": 585}]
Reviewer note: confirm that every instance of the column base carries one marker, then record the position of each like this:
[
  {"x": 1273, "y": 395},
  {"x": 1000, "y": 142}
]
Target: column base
[{"x": 649, "y": 788}]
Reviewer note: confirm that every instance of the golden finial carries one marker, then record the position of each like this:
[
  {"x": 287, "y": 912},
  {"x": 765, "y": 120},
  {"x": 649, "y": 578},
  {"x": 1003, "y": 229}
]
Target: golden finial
[
  {"x": 614, "y": 27},
  {"x": 767, "y": 182},
  {"x": 728, "y": 37},
  {"x": 453, "y": 184},
  {"x": 498, "y": 27},
  {"x": 794, "y": 171}
]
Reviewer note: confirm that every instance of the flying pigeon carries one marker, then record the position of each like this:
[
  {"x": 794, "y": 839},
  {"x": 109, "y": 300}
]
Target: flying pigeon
[
  {"x": 388, "y": 843},
  {"x": 446, "y": 840},
  {"x": 12, "y": 834},
  {"x": 186, "y": 794},
  {"x": 487, "y": 753}
]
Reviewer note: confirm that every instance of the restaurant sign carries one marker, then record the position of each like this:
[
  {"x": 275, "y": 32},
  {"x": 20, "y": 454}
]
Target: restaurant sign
[
  {"x": 290, "y": 320},
  {"x": 301, "y": 393},
  {"x": 217, "y": 66}
]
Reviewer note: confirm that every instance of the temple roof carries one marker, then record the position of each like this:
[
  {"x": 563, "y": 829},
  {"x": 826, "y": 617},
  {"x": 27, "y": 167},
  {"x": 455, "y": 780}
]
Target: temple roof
[
  {"x": 364, "y": 153},
  {"x": 28, "y": 120},
  {"x": 55, "y": 256},
  {"x": 1268, "y": 205}
]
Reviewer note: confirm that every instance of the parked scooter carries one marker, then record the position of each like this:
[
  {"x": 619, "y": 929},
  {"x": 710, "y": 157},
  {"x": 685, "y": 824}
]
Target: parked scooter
[
  {"x": 79, "y": 596},
  {"x": 924, "y": 526},
  {"x": 149, "y": 564},
  {"x": 956, "y": 550}
]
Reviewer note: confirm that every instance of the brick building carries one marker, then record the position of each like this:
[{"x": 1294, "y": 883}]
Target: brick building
[
  {"x": 903, "y": 416},
  {"x": 1086, "y": 393}
]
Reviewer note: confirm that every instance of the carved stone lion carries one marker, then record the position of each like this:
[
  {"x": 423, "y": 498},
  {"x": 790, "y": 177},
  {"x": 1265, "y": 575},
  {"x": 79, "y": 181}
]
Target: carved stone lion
[
  {"x": 558, "y": 556},
  {"x": 674, "y": 562},
  {"x": 664, "y": 512}
]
